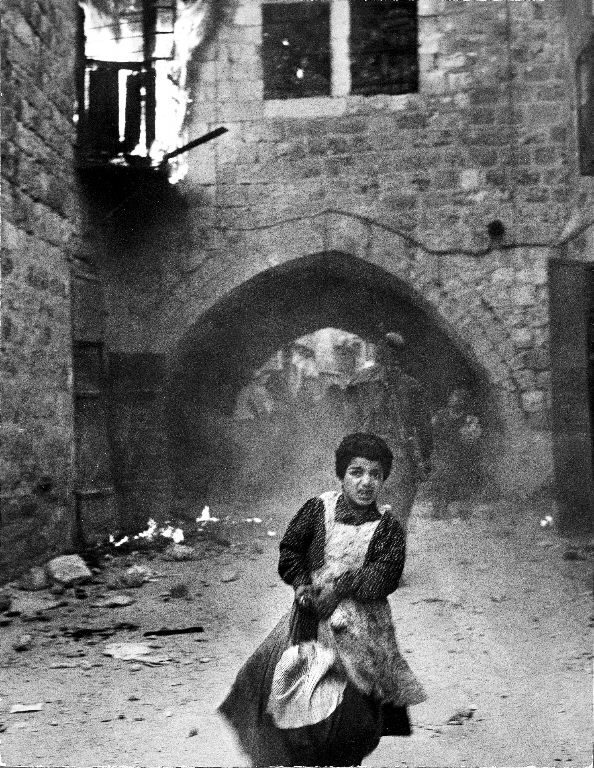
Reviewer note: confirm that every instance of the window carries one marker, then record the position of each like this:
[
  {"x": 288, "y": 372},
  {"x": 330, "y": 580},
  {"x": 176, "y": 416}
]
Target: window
[
  {"x": 585, "y": 108},
  {"x": 337, "y": 47},
  {"x": 296, "y": 50},
  {"x": 131, "y": 75},
  {"x": 383, "y": 47},
  {"x": 128, "y": 64}
]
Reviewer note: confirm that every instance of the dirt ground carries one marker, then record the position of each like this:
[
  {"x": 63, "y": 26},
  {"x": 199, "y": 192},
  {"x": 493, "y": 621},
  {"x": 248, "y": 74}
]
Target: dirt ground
[{"x": 493, "y": 617}]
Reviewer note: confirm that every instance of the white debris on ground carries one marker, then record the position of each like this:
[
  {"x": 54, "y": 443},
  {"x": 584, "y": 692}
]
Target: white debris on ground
[
  {"x": 68, "y": 570},
  {"x": 138, "y": 652},
  {"x": 205, "y": 517}
]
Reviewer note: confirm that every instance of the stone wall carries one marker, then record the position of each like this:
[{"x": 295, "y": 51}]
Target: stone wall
[
  {"x": 39, "y": 218},
  {"x": 405, "y": 185},
  {"x": 408, "y": 183}
]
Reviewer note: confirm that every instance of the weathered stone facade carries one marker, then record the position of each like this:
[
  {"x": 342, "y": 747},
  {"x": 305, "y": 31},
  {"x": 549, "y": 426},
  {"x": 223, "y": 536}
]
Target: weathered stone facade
[
  {"x": 399, "y": 190},
  {"x": 406, "y": 183},
  {"x": 39, "y": 221}
]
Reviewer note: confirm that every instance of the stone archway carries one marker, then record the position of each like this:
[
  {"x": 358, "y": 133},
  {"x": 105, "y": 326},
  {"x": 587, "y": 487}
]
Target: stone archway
[
  {"x": 238, "y": 333},
  {"x": 449, "y": 289}
]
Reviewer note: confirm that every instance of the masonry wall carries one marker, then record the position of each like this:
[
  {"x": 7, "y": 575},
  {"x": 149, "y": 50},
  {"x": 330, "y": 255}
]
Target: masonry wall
[
  {"x": 39, "y": 219},
  {"x": 406, "y": 184},
  {"x": 409, "y": 183}
]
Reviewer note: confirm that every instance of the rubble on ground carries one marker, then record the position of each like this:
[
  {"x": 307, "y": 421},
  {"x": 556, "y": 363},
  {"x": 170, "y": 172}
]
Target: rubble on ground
[
  {"x": 68, "y": 570},
  {"x": 461, "y": 715},
  {"x": 178, "y": 552}
]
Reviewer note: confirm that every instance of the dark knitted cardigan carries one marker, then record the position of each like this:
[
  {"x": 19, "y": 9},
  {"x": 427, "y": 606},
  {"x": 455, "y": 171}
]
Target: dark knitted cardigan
[{"x": 302, "y": 551}]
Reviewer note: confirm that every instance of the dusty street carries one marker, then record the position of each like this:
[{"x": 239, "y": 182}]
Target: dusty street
[{"x": 493, "y": 618}]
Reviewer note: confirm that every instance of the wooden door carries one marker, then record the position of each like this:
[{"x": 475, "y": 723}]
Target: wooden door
[{"x": 571, "y": 292}]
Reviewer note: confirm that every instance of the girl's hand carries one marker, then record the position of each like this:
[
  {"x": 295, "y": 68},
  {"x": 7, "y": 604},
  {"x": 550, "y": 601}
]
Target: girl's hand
[
  {"x": 326, "y": 602},
  {"x": 305, "y": 597}
]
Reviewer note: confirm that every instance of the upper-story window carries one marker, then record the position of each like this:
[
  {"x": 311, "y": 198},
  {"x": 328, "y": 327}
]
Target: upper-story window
[
  {"x": 383, "y": 47},
  {"x": 296, "y": 49},
  {"x": 337, "y": 47}
]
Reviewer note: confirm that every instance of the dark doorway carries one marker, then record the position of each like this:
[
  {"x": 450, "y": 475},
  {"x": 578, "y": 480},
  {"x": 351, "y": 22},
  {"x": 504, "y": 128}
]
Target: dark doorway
[{"x": 571, "y": 288}]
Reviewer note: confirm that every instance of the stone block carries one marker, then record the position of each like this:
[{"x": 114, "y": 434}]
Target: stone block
[
  {"x": 389, "y": 250},
  {"x": 522, "y": 338},
  {"x": 304, "y": 108},
  {"x": 429, "y": 7},
  {"x": 523, "y": 294},
  {"x": 248, "y": 14},
  {"x": 526, "y": 379},
  {"x": 539, "y": 359},
  {"x": 347, "y": 234},
  {"x": 533, "y": 400},
  {"x": 471, "y": 179},
  {"x": 68, "y": 570}
]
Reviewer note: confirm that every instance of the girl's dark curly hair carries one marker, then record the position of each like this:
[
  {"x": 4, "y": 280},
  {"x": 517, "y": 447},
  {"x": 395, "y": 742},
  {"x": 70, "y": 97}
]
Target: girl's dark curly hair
[{"x": 366, "y": 446}]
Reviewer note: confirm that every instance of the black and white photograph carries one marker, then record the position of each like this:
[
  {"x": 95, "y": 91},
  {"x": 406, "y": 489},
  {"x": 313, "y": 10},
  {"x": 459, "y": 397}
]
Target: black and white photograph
[{"x": 297, "y": 383}]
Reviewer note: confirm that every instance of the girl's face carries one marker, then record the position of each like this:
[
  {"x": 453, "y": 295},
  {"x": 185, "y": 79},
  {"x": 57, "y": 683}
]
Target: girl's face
[{"x": 362, "y": 482}]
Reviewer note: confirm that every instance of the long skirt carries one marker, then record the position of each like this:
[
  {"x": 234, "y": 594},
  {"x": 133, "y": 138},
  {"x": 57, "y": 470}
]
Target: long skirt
[{"x": 351, "y": 733}]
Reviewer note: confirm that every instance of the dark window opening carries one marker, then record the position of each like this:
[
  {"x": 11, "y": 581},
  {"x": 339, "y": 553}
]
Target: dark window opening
[
  {"x": 128, "y": 94},
  {"x": 585, "y": 102},
  {"x": 296, "y": 50},
  {"x": 384, "y": 47}
]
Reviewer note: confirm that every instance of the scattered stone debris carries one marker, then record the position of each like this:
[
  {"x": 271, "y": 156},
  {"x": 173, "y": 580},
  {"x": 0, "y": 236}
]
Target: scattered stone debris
[
  {"x": 229, "y": 575},
  {"x": 18, "y": 708},
  {"x": 430, "y": 600},
  {"x": 68, "y": 570},
  {"x": 77, "y": 633},
  {"x": 461, "y": 715},
  {"x": 206, "y": 517},
  {"x": 173, "y": 631},
  {"x": 135, "y": 576},
  {"x": 115, "y": 601},
  {"x": 31, "y": 605},
  {"x": 23, "y": 643},
  {"x": 34, "y": 579},
  {"x": 138, "y": 652},
  {"x": 178, "y": 552}
]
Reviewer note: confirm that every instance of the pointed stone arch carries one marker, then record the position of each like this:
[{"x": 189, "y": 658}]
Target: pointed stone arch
[
  {"x": 445, "y": 288},
  {"x": 284, "y": 279}
]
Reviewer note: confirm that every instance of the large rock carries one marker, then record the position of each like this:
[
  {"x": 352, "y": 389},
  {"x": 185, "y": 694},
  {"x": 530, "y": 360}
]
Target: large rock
[{"x": 68, "y": 570}]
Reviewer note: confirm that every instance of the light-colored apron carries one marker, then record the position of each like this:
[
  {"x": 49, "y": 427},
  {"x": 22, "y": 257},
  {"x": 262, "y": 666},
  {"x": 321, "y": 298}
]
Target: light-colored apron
[{"x": 362, "y": 632}]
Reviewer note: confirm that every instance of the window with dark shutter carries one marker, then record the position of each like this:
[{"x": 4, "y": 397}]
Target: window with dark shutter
[
  {"x": 296, "y": 49},
  {"x": 383, "y": 47}
]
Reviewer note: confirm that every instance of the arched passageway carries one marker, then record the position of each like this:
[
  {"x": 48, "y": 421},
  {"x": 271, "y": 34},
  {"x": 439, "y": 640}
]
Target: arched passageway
[{"x": 220, "y": 353}]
